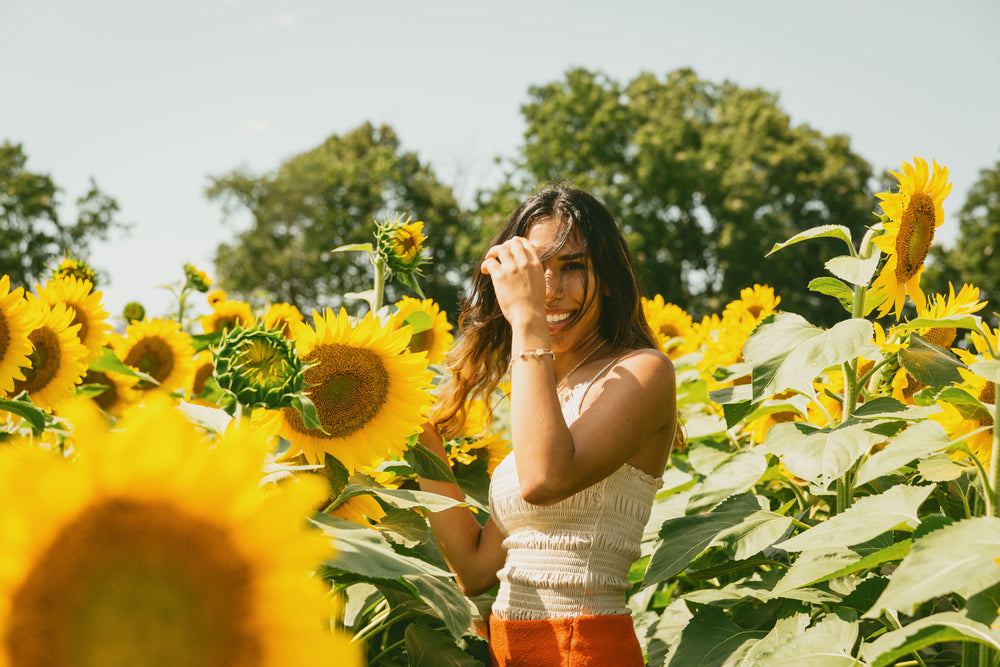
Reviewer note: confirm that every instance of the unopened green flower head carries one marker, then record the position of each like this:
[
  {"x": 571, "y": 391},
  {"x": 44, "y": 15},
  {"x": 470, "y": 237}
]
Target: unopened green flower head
[
  {"x": 259, "y": 366},
  {"x": 400, "y": 244},
  {"x": 76, "y": 268},
  {"x": 196, "y": 278},
  {"x": 134, "y": 312}
]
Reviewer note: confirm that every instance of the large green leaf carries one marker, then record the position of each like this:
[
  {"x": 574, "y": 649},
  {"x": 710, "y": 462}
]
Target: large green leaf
[
  {"x": 958, "y": 558},
  {"x": 820, "y": 455},
  {"x": 930, "y": 364},
  {"x": 427, "y": 647},
  {"x": 755, "y": 533},
  {"x": 815, "y": 566},
  {"x": 712, "y": 639},
  {"x": 828, "y": 643},
  {"x": 445, "y": 600},
  {"x": 868, "y": 517},
  {"x": 914, "y": 442},
  {"x": 683, "y": 539},
  {"x": 835, "y": 288},
  {"x": 364, "y": 551},
  {"x": 788, "y": 352},
  {"x": 988, "y": 370},
  {"x": 832, "y": 231},
  {"x": 735, "y": 475},
  {"x": 404, "y": 498},
  {"x": 33, "y": 415},
  {"x": 426, "y": 464},
  {"x": 947, "y": 626}
]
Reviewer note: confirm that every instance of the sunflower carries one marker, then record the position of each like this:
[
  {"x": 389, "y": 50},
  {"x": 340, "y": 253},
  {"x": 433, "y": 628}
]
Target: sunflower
[
  {"x": 204, "y": 568},
  {"x": 119, "y": 391},
  {"x": 204, "y": 368},
  {"x": 361, "y": 509},
  {"x": 160, "y": 349},
  {"x": 436, "y": 340},
  {"x": 87, "y": 308},
  {"x": 370, "y": 392},
  {"x": 215, "y": 297},
  {"x": 491, "y": 447},
  {"x": 227, "y": 314},
  {"x": 910, "y": 218},
  {"x": 399, "y": 243},
  {"x": 15, "y": 323},
  {"x": 964, "y": 303},
  {"x": 279, "y": 315},
  {"x": 75, "y": 268},
  {"x": 58, "y": 360},
  {"x": 196, "y": 279},
  {"x": 672, "y": 326},
  {"x": 958, "y": 421},
  {"x": 758, "y": 302}
]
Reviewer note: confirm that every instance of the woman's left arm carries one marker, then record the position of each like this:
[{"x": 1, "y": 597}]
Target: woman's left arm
[{"x": 631, "y": 403}]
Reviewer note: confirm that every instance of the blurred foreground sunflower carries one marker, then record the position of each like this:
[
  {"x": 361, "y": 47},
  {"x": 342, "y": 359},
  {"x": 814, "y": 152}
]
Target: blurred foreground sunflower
[
  {"x": 370, "y": 392},
  {"x": 152, "y": 549},
  {"x": 910, "y": 217}
]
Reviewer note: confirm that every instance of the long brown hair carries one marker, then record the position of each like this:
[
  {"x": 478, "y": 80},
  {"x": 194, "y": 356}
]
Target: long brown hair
[{"x": 482, "y": 355}]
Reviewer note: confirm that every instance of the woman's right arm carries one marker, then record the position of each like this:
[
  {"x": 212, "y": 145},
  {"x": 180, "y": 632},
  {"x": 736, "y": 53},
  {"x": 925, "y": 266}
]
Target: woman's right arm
[{"x": 474, "y": 553}]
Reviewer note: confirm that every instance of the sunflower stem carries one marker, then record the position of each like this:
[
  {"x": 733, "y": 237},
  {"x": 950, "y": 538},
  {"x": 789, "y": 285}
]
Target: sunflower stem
[
  {"x": 993, "y": 506},
  {"x": 379, "y": 284}
]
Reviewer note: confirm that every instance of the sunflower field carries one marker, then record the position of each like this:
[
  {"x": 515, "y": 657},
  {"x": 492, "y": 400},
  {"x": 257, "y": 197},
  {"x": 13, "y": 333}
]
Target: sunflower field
[{"x": 239, "y": 487}]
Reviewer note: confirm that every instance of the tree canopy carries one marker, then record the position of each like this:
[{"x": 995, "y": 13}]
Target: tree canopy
[
  {"x": 32, "y": 236},
  {"x": 327, "y": 197},
  {"x": 705, "y": 178}
]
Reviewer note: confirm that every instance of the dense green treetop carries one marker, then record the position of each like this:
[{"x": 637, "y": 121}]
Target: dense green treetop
[{"x": 32, "y": 237}]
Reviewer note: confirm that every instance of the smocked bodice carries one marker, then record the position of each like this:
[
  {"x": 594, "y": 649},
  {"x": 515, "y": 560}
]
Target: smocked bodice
[{"x": 570, "y": 558}]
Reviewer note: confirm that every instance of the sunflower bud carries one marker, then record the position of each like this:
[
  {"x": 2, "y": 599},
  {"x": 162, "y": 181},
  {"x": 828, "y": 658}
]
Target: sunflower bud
[
  {"x": 400, "y": 244},
  {"x": 76, "y": 268},
  {"x": 196, "y": 278},
  {"x": 133, "y": 312},
  {"x": 259, "y": 366}
]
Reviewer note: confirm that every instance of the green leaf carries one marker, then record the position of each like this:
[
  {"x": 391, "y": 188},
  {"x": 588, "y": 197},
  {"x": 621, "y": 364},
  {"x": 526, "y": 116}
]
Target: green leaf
[
  {"x": 426, "y": 464},
  {"x": 419, "y": 321},
  {"x": 973, "y": 322},
  {"x": 109, "y": 362},
  {"x": 868, "y": 517},
  {"x": 366, "y": 552},
  {"x": 855, "y": 270},
  {"x": 712, "y": 639},
  {"x": 402, "y": 498},
  {"x": 968, "y": 406},
  {"x": 683, "y": 539},
  {"x": 427, "y": 647},
  {"x": 988, "y": 370},
  {"x": 33, "y": 415},
  {"x": 735, "y": 475},
  {"x": 354, "y": 247},
  {"x": 820, "y": 455},
  {"x": 828, "y": 643},
  {"x": 942, "y": 468},
  {"x": 947, "y": 626},
  {"x": 930, "y": 364},
  {"x": 832, "y": 231},
  {"x": 788, "y": 352},
  {"x": 819, "y": 565},
  {"x": 958, "y": 558},
  {"x": 446, "y": 601},
  {"x": 755, "y": 533},
  {"x": 307, "y": 410},
  {"x": 914, "y": 442},
  {"x": 215, "y": 420},
  {"x": 835, "y": 288},
  {"x": 89, "y": 390}
]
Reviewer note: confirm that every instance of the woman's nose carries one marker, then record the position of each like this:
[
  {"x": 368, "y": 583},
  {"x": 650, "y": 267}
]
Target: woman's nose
[{"x": 553, "y": 285}]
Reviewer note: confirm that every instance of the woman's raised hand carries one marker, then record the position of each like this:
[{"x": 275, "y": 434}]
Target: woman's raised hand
[{"x": 518, "y": 279}]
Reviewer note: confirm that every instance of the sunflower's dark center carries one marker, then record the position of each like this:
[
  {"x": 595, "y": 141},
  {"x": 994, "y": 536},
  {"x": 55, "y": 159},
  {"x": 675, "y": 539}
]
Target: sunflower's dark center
[
  {"x": 916, "y": 233},
  {"x": 152, "y": 355},
  {"x": 349, "y": 387},
  {"x": 669, "y": 330},
  {"x": 130, "y": 582},
  {"x": 755, "y": 310},
  {"x": 942, "y": 336},
  {"x": 202, "y": 373},
  {"x": 107, "y": 398},
  {"x": 5, "y": 340},
  {"x": 407, "y": 243},
  {"x": 44, "y": 361},
  {"x": 988, "y": 396},
  {"x": 80, "y": 317}
]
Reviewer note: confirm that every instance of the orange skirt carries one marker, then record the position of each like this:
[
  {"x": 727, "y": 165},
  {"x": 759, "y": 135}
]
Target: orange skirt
[{"x": 573, "y": 641}]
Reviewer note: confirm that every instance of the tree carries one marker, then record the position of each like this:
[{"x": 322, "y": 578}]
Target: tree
[
  {"x": 328, "y": 197},
  {"x": 704, "y": 177},
  {"x": 975, "y": 256},
  {"x": 32, "y": 236}
]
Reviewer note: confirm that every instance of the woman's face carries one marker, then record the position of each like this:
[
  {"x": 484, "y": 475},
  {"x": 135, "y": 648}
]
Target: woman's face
[{"x": 572, "y": 306}]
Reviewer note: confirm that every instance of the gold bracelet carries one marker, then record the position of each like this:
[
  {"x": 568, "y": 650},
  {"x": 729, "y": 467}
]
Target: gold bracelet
[{"x": 535, "y": 354}]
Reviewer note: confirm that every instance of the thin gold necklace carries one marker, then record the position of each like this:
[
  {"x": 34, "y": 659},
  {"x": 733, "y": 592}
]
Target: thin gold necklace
[{"x": 599, "y": 345}]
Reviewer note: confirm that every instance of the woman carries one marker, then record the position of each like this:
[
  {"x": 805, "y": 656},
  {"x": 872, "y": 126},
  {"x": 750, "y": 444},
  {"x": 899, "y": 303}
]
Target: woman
[{"x": 593, "y": 418}]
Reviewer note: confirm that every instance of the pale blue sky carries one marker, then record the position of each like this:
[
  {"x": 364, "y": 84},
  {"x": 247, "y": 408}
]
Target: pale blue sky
[{"x": 150, "y": 98}]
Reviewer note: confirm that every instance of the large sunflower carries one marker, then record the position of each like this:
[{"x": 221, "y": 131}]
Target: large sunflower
[
  {"x": 15, "y": 323},
  {"x": 151, "y": 548},
  {"x": 370, "y": 392},
  {"x": 160, "y": 349},
  {"x": 58, "y": 358},
  {"x": 436, "y": 340},
  {"x": 87, "y": 307},
  {"x": 911, "y": 215}
]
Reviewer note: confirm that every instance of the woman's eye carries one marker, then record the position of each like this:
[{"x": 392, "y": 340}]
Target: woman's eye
[{"x": 572, "y": 266}]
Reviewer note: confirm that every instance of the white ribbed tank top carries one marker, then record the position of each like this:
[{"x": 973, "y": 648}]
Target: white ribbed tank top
[{"x": 570, "y": 558}]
